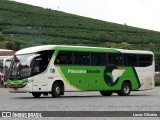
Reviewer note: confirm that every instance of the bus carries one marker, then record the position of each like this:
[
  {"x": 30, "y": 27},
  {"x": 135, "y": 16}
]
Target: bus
[
  {"x": 55, "y": 69},
  {"x": 4, "y": 54}
]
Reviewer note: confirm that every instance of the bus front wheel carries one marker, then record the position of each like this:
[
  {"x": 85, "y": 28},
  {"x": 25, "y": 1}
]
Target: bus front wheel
[
  {"x": 106, "y": 93},
  {"x": 56, "y": 89},
  {"x": 36, "y": 95},
  {"x": 125, "y": 89}
]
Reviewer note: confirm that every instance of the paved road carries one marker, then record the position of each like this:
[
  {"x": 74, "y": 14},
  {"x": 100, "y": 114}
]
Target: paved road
[{"x": 81, "y": 101}]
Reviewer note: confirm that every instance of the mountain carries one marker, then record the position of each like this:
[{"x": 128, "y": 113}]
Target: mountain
[{"x": 23, "y": 25}]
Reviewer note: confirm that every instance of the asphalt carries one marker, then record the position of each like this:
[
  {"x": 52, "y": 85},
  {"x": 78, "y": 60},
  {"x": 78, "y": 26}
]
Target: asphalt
[{"x": 148, "y": 100}]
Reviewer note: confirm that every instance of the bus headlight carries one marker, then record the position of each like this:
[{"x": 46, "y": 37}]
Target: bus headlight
[{"x": 24, "y": 84}]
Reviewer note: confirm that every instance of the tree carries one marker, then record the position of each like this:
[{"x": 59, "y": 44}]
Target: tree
[
  {"x": 9, "y": 45},
  {"x": 16, "y": 45},
  {"x": 1, "y": 38}
]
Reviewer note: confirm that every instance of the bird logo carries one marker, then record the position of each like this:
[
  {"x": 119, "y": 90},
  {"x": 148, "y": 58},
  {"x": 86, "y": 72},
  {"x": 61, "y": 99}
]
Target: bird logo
[{"x": 112, "y": 75}]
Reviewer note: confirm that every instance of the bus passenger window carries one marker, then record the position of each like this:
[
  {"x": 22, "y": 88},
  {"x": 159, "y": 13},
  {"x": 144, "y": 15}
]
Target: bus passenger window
[
  {"x": 60, "y": 59},
  {"x": 114, "y": 59},
  {"x": 69, "y": 58},
  {"x": 98, "y": 59},
  {"x": 81, "y": 58},
  {"x": 64, "y": 58},
  {"x": 130, "y": 59},
  {"x": 144, "y": 60}
]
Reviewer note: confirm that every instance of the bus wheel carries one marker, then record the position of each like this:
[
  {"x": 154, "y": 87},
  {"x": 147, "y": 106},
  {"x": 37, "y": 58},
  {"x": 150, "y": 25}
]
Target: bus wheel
[
  {"x": 56, "y": 89},
  {"x": 36, "y": 94},
  {"x": 106, "y": 93},
  {"x": 125, "y": 89}
]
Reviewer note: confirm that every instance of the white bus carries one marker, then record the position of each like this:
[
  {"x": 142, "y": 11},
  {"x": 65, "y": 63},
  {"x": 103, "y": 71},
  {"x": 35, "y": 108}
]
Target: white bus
[
  {"x": 4, "y": 54},
  {"x": 55, "y": 69}
]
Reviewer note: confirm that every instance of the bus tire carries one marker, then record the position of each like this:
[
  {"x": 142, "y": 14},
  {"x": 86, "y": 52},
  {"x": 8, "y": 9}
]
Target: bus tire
[
  {"x": 106, "y": 93},
  {"x": 125, "y": 89},
  {"x": 56, "y": 89},
  {"x": 36, "y": 94}
]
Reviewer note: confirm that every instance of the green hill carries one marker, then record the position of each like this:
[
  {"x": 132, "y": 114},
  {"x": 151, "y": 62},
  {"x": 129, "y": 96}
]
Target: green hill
[{"x": 23, "y": 25}]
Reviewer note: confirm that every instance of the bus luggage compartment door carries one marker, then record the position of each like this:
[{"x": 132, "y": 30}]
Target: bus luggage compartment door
[{"x": 39, "y": 84}]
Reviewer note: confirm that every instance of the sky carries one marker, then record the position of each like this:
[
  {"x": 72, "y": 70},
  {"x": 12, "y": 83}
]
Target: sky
[{"x": 138, "y": 13}]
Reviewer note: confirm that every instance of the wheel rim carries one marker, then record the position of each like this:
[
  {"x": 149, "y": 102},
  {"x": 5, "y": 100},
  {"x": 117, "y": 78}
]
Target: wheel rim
[
  {"x": 126, "y": 89},
  {"x": 58, "y": 90}
]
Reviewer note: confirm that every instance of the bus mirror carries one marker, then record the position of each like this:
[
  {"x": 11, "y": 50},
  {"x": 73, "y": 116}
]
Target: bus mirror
[{"x": 29, "y": 60}]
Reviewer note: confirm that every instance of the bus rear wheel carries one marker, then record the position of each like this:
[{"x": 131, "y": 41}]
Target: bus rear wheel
[
  {"x": 36, "y": 94},
  {"x": 106, "y": 93},
  {"x": 125, "y": 89},
  {"x": 56, "y": 90}
]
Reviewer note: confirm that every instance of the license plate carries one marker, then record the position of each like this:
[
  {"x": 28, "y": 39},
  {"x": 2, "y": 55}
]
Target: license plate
[{"x": 15, "y": 89}]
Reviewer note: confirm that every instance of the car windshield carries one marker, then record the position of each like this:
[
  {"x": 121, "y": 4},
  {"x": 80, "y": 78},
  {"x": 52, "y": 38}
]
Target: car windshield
[{"x": 19, "y": 68}]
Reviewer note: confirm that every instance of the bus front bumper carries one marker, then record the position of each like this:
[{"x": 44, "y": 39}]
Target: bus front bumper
[
  {"x": 18, "y": 86},
  {"x": 19, "y": 90}
]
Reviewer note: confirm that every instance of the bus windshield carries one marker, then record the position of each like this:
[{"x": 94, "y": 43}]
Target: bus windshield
[
  {"x": 39, "y": 61},
  {"x": 19, "y": 68}
]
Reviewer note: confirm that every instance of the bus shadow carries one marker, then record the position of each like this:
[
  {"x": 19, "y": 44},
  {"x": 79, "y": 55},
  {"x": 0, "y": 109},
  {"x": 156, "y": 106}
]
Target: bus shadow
[{"x": 91, "y": 96}]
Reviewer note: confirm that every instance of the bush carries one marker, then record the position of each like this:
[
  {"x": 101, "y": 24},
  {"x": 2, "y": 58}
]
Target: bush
[
  {"x": 9, "y": 45},
  {"x": 1, "y": 38},
  {"x": 101, "y": 36},
  {"x": 16, "y": 45},
  {"x": 157, "y": 81},
  {"x": 1, "y": 28}
]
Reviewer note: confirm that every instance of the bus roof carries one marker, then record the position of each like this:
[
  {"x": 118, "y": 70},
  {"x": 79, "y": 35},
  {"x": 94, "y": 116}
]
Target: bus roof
[
  {"x": 78, "y": 48},
  {"x": 35, "y": 49}
]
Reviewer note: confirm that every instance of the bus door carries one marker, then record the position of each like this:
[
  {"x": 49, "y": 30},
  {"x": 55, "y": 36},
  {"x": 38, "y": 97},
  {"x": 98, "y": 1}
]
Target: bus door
[
  {"x": 39, "y": 70},
  {"x": 39, "y": 83}
]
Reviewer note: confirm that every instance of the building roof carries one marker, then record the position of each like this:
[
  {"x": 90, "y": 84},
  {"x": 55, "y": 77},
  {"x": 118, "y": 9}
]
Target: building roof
[{"x": 6, "y": 53}]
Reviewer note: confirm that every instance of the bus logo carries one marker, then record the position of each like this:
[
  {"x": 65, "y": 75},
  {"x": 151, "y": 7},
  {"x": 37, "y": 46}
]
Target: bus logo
[
  {"x": 112, "y": 75},
  {"x": 52, "y": 70}
]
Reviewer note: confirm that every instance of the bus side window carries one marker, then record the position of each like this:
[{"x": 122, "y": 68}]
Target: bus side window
[
  {"x": 64, "y": 58},
  {"x": 126, "y": 61},
  {"x": 130, "y": 59},
  {"x": 98, "y": 59},
  {"x": 103, "y": 59},
  {"x": 115, "y": 59},
  {"x": 69, "y": 58},
  {"x": 81, "y": 58},
  {"x": 110, "y": 60},
  {"x": 60, "y": 59},
  {"x": 94, "y": 59},
  {"x": 144, "y": 60}
]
